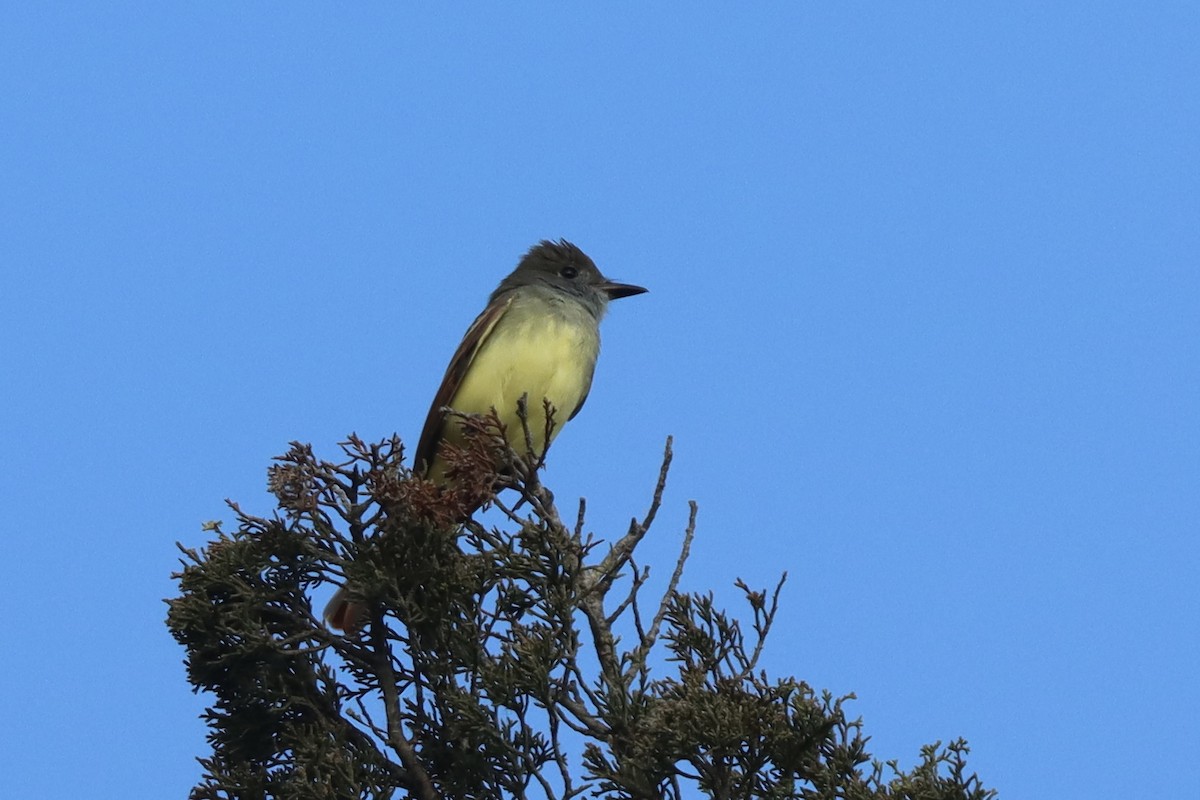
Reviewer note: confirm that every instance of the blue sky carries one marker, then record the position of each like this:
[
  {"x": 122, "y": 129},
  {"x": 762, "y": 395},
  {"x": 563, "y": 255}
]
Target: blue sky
[{"x": 924, "y": 321}]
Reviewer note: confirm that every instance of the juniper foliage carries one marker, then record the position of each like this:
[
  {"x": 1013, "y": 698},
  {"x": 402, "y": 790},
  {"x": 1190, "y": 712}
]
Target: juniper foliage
[{"x": 521, "y": 660}]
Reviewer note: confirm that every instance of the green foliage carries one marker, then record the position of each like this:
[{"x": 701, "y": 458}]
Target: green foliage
[{"x": 493, "y": 661}]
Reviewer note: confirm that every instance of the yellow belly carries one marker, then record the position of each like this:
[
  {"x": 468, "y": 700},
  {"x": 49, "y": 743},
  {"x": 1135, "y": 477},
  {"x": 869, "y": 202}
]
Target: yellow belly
[{"x": 542, "y": 357}]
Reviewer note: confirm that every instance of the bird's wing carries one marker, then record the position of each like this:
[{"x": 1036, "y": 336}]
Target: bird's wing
[
  {"x": 579, "y": 406},
  {"x": 477, "y": 334}
]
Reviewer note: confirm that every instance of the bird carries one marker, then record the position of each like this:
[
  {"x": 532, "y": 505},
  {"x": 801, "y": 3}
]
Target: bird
[{"x": 538, "y": 338}]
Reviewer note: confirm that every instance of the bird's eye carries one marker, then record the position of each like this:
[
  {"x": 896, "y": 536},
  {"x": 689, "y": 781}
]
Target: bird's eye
[{"x": 568, "y": 272}]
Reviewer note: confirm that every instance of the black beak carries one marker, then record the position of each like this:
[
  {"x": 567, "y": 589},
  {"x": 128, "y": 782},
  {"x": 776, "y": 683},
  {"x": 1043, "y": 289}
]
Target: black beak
[{"x": 618, "y": 290}]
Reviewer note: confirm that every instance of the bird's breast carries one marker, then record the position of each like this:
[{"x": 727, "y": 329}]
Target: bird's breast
[{"x": 541, "y": 356}]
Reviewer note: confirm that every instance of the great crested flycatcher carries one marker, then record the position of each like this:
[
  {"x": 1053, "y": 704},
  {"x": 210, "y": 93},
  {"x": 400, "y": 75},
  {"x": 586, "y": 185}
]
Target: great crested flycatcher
[{"x": 538, "y": 338}]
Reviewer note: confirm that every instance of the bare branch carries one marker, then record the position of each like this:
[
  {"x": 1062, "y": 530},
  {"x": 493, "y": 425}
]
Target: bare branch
[
  {"x": 620, "y": 552},
  {"x": 418, "y": 777},
  {"x": 638, "y": 659}
]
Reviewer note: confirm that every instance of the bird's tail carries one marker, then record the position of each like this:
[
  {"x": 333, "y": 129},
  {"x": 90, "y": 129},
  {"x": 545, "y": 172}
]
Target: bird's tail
[{"x": 343, "y": 614}]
